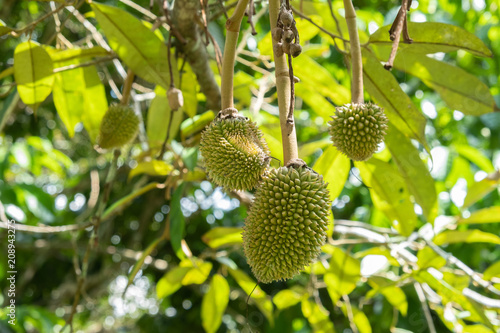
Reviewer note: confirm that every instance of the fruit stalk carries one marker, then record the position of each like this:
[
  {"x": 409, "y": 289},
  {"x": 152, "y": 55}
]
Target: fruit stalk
[
  {"x": 232, "y": 31},
  {"x": 287, "y": 124},
  {"x": 356, "y": 61}
]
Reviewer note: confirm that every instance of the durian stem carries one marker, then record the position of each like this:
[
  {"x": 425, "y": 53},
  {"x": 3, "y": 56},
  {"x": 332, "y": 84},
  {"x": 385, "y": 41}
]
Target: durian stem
[
  {"x": 127, "y": 87},
  {"x": 287, "y": 124},
  {"x": 356, "y": 61},
  {"x": 227, "y": 72}
]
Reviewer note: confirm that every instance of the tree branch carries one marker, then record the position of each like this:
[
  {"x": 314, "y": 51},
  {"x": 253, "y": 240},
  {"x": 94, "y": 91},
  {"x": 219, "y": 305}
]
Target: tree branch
[
  {"x": 288, "y": 134},
  {"x": 356, "y": 60},
  {"x": 233, "y": 25},
  {"x": 195, "y": 50}
]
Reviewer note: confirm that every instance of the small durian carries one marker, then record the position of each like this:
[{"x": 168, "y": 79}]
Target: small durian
[
  {"x": 358, "y": 129},
  {"x": 234, "y": 151},
  {"x": 119, "y": 126},
  {"x": 287, "y": 222}
]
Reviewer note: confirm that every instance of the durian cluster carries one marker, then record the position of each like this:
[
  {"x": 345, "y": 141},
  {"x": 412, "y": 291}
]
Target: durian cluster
[
  {"x": 234, "y": 151},
  {"x": 287, "y": 223},
  {"x": 286, "y": 35},
  {"x": 119, "y": 126},
  {"x": 358, "y": 129}
]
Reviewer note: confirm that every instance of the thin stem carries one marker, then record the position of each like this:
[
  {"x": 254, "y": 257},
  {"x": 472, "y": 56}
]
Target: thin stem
[
  {"x": 357, "y": 63},
  {"x": 96, "y": 219},
  {"x": 288, "y": 134},
  {"x": 127, "y": 87},
  {"x": 18, "y": 32},
  {"x": 396, "y": 34},
  {"x": 233, "y": 25},
  {"x": 85, "y": 64},
  {"x": 425, "y": 307},
  {"x": 292, "y": 90},
  {"x": 332, "y": 35},
  {"x": 350, "y": 314}
]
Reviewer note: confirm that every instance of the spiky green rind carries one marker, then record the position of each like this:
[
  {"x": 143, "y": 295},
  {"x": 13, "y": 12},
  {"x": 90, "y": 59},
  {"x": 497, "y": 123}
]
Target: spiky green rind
[
  {"x": 235, "y": 153},
  {"x": 358, "y": 129},
  {"x": 119, "y": 126},
  {"x": 286, "y": 224}
]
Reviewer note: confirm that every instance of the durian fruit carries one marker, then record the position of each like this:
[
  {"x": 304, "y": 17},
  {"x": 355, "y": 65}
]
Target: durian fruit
[
  {"x": 234, "y": 151},
  {"x": 358, "y": 129},
  {"x": 119, "y": 126},
  {"x": 287, "y": 222}
]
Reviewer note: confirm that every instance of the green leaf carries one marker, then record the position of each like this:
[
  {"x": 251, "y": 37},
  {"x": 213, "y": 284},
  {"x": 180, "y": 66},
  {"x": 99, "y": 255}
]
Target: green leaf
[
  {"x": 7, "y": 72},
  {"x": 309, "y": 148},
  {"x": 214, "y": 304},
  {"x": 486, "y": 215},
  {"x": 258, "y": 295},
  {"x": 383, "y": 87},
  {"x": 222, "y": 236},
  {"x": 459, "y": 89},
  {"x": 469, "y": 236},
  {"x": 457, "y": 281},
  {"x": 134, "y": 43},
  {"x": 414, "y": 172},
  {"x": 475, "y": 156},
  {"x": 33, "y": 73},
  {"x": 196, "y": 124},
  {"x": 138, "y": 264},
  {"x": 476, "y": 329},
  {"x": 76, "y": 55},
  {"x": 334, "y": 167},
  {"x": 78, "y": 96},
  {"x": 343, "y": 274},
  {"x": 492, "y": 272},
  {"x": 317, "y": 316},
  {"x": 389, "y": 194},
  {"x": 359, "y": 318},
  {"x": 428, "y": 258},
  {"x": 381, "y": 251},
  {"x": 152, "y": 168},
  {"x": 286, "y": 298},
  {"x": 171, "y": 282},
  {"x": 432, "y": 37},
  {"x": 189, "y": 87},
  {"x": 158, "y": 120},
  {"x": 480, "y": 189},
  {"x": 4, "y": 29},
  {"x": 314, "y": 75},
  {"x": 450, "y": 294},
  {"x": 387, "y": 288},
  {"x": 177, "y": 222},
  {"x": 199, "y": 272}
]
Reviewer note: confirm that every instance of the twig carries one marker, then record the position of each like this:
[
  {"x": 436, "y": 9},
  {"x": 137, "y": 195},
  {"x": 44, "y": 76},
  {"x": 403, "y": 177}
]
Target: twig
[
  {"x": 396, "y": 34},
  {"x": 140, "y": 9},
  {"x": 85, "y": 64},
  {"x": 250, "y": 12},
  {"x": 308, "y": 19},
  {"x": 110, "y": 212},
  {"x": 233, "y": 25},
  {"x": 292, "y": 90},
  {"x": 350, "y": 315},
  {"x": 467, "y": 270},
  {"x": 356, "y": 60},
  {"x": 337, "y": 23},
  {"x": 288, "y": 134},
  {"x": 96, "y": 219},
  {"x": 127, "y": 87},
  {"x": 18, "y": 32},
  {"x": 172, "y": 85},
  {"x": 169, "y": 22},
  {"x": 425, "y": 307}
]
